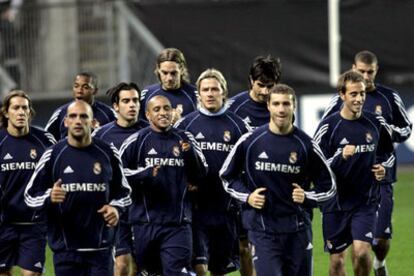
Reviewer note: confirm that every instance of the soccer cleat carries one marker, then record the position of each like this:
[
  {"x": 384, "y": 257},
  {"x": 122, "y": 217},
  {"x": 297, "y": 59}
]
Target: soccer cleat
[{"x": 381, "y": 271}]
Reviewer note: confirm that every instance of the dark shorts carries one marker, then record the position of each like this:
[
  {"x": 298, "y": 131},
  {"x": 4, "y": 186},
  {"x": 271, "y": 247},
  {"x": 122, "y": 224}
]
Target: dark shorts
[
  {"x": 341, "y": 228},
  {"x": 282, "y": 254},
  {"x": 87, "y": 263},
  {"x": 22, "y": 245},
  {"x": 217, "y": 246},
  {"x": 168, "y": 247},
  {"x": 384, "y": 226},
  {"x": 123, "y": 245}
]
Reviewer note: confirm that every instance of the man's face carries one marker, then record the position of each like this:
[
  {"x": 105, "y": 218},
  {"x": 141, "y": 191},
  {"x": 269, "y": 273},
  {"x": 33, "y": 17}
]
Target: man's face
[
  {"x": 159, "y": 113},
  {"x": 128, "y": 106},
  {"x": 83, "y": 89},
  {"x": 369, "y": 71},
  {"x": 281, "y": 108},
  {"x": 353, "y": 98},
  {"x": 260, "y": 90},
  {"x": 170, "y": 75},
  {"x": 211, "y": 95},
  {"x": 78, "y": 120},
  {"x": 18, "y": 113}
]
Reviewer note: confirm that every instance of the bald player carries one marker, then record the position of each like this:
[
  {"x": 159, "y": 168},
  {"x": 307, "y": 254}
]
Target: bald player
[{"x": 67, "y": 177}]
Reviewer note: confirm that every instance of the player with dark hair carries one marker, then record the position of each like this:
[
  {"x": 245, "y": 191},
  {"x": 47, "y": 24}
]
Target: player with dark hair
[
  {"x": 357, "y": 145},
  {"x": 125, "y": 101},
  {"x": 160, "y": 162},
  {"x": 216, "y": 130},
  {"x": 386, "y": 102},
  {"x": 81, "y": 185},
  {"x": 171, "y": 69},
  {"x": 251, "y": 106},
  {"x": 270, "y": 179},
  {"x": 264, "y": 73},
  {"x": 85, "y": 88},
  {"x": 22, "y": 230}
]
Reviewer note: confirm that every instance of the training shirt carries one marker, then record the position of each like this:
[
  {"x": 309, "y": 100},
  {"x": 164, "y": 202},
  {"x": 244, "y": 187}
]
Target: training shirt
[
  {"x": 101, "y": 112},
  {"x": 253, "y": 113},
  {"x": 216, "y": 134},
  {"x": 387, "y": 103},
  {"x": 185, "y": 97},
  {"x": 356, "y": 183},
  {"x": 116, "y": 134},
  {"x": 275, "y": 162},
  {"x": 19, "y": 156},
  {"x": 92, "y": 177},
  {"x": 162, "y": 199}
]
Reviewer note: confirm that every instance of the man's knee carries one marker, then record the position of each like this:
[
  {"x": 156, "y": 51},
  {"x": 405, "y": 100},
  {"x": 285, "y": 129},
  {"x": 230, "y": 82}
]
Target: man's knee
[
  {"x": 122, "y": 264},
  {"x": 337, "y": 262},
  {"x": 200, "y": 269}
]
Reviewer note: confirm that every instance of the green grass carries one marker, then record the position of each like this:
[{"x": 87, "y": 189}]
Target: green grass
[{"x": 401, "y": 256}]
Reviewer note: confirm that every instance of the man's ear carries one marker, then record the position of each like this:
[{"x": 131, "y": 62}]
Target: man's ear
[
  {"x": 95, "y": 123},
  {"x": 64, "y": 121}
]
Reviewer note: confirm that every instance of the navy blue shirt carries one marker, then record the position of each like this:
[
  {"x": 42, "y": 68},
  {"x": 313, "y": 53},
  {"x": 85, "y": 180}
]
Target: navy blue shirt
[
  {"x": 92, "y": 177},
  {"x": 162, "y": 199},
  {"x": 19, "y": 156},
  {"x": 253, "y": 113},
  {"x": 185, "y": 97},
  {"x": 116, "y": 134},
  {"x": 275, "y": 162},
  {"x": 387, "y": 103},
  {"x": 101, "y": 112},
  {"x": 216, "y": 134},
  {"x": 356, "y": 183}
]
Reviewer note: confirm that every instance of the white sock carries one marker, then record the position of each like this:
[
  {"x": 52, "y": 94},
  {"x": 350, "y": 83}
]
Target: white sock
[{"x": 378, "y": 264}]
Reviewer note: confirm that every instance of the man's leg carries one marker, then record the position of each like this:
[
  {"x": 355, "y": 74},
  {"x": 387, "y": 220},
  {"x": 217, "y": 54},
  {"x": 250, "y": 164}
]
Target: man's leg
[
  {"x": 32, "y": 249},
  {"x": 68, "y": 264},
  {"x": 361, "y": 258},
  {"x": 223, "y": 249},
  {"x": 267, "y": 253},
  {"x": 364, "y": 220},
  {"x": 337, "y": 264},
  {"x": 383, "y": 232},
  {"x": 123, "y": 249},
  {"x": 200, "y": 248},
  {"x": 175, "y": 249},
  {"x": 8, "y": 249}
]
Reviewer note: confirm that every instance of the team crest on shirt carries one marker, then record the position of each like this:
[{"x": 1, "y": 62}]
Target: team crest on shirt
[
  {"x": 293, "y": 157},
  {"x": 176, "y": 151},
  {"x": 97, "y": 168},
  {"x": 378, "y": 110},
  {"x": 368, "y": 137},
  {"x": 33, "y": 153},
  {"x": 227, "y": 136}
]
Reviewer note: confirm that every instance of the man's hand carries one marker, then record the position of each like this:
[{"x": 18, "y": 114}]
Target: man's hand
[
  {"x": 58, "y": 194},
  {"x": 155, "y": 170},
  {"x": 110, "y": 215},
  {"x": 298, "y": 194},
  {"x": 256, "y": 200},
  {"x": 185, "y": 146},
  {"x": 176, "y": 114},
  {"x": 348, "y": 151},
  {"x": 191, "y": 187},
  {"x": 379, "y": 172}
]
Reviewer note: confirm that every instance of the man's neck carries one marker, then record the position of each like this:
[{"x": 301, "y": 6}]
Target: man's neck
[
  {"x": 348, "y": 115},
  {"x": 125, "y": 123},
  {"x": 17, "y": 132},
  {"x": 280, "y": 130},
  {"x": 80, "y": 143}
]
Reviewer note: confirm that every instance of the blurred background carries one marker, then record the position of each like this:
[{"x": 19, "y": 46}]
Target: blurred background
[{"x": 44, "y": 43}]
